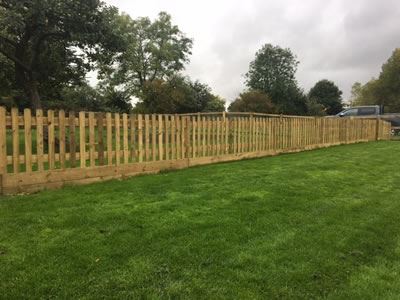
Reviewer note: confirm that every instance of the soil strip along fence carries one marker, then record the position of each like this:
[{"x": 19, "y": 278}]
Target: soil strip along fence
[{"x": 49, "y": 150}]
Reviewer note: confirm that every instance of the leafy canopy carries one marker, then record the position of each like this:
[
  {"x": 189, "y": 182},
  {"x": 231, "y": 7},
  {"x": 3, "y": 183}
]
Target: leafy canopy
[
  {"x": 152, "y": 50},
  {"x": 52, "y": 43},
  {"x": 273, "y": 72},
  {"x": 178, "y": 94},
  {"x": 385, "y": 90},
  {"x": 328, "y": 95},
  {"x": 252, "y": 101}
]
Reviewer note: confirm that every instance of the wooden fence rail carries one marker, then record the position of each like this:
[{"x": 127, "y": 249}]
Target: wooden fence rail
[{"x": 46, "y": 150}]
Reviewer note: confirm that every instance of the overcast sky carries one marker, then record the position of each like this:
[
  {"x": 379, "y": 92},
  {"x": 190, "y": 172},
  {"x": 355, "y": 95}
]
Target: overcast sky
[{"x": 341, "y": 40}]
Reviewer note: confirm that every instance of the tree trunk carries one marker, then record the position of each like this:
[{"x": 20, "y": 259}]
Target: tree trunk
[
  {"x": 30, "y": 85},
  {"x": 32, "y": 90}
]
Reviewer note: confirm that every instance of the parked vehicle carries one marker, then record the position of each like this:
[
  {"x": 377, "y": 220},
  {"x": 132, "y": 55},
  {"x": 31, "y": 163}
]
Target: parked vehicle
[{"x": 374, "y": 111}]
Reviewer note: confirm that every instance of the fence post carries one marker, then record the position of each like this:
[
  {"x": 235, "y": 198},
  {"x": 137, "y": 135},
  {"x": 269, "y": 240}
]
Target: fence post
[
  {"x": 251, "y": 135},
  {"x": 280, "y": 136},
  {"x": 28, "y": 139},
  {"x": 3, "y": 147},
  {"x": 187, "y": 137},
  {"x": 377, "y": 123},
  {"x": 226, "y": 132},
  {"x": 3, "y": 142},
  {"x": 82, "y": 139}
]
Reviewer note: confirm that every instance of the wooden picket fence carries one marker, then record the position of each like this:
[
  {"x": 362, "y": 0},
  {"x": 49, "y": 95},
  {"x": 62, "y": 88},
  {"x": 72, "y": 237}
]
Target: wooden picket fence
[{"x": 50, "y": 150}]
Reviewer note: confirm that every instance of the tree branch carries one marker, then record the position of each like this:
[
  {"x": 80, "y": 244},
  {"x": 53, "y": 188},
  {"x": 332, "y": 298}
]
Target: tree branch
[
  {"x": 154, "y": 74},
  {"x": 38, "y": 43},
  {"x": 7, "y": 40},
  {"x": 158, "y": 63},
  {"x": 15, "y": 60},
  {"x": 141, "y": 81},
  {"x": 5, "y": 5}
]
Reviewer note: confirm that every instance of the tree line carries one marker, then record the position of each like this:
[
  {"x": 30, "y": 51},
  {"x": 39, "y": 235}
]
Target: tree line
[
  {"x": 272, "y": 87},
  {"x": 384, "y": 90},
  {"x": 48, "y": 48}
]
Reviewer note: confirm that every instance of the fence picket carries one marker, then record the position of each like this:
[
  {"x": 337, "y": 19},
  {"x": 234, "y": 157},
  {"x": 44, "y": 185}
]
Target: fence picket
[
  {"x": 153, "y": 137},
  {"x": 212, "y": 132},
  {"x": 226, "y": 131},
  {"x": 132, "y": 119},
  {"x": 61, "y": 125},
  {"x": 167, "y": 132},
  {"x": 240, "y": 135},
  {"x": 82, "y": 139},
  {"x": 92, "y": 158},
  {"x": 187, "y": 136},
  {"x": 51, "y": 139},
  {"x": 235, "y": 134},
  {"x": 203, "y": 136},
  {"x": 117, "y": 139},
  {"x": 72, "y": 141},
  {"x": 125, "y": 138},
  {"x": 173, "y": 138},
  {"x": 140, "y": 137},
  {"x": 178, "y": 137},
  {"x": 160, "y": 138},
  {"x": 3, "y": 142},
  {"x": 28, "y": 139},
  {"x": 218, "y": 137},
  {"x": 39, "y": 139},
  {"x": 199, "y": 131},
  {"x": 15, "y": 138},
  {"x": 147, "y": 137},
  {"x": 109, "y": 139},
  {"x": 183, "y": 137},
  {"x": 100, "y": 137}
]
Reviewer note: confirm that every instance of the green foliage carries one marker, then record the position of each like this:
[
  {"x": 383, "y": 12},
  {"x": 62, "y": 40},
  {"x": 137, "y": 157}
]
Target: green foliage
[
  {"x": 84, "y": 97},
  {"x": 356, "y": 90},
  {"x": 273, "y": 72},
  {"x": 52, "y": 43},
  {"x": 314, "y": 108},
  {"x": 367, "y": 94},
  {"x": 160, "y": 96},
  {"x": 214, "y": 104},
  {"x": 252, "y": 101},
  {"x": 328, "y": 95},
  {"x": 10, "y": 95},
  {"x": 273, "y": 67},
  {"x": 389, "y": 82},
  {"x": 151, "y": 51},
  {"x": 178, "y": 95},
  {"x": 295, "y": 101},
  {"x": 6, "y": 76},
  {"x": 202, "y": 99},
  {"x": 382, "y": 91},
  {"x": 312, "y": 225},
  {"x": 117, "y": 100}
]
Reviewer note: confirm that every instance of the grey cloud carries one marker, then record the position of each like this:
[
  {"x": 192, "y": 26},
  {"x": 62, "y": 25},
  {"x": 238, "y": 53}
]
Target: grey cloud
[{"x": 345, "y": 41}]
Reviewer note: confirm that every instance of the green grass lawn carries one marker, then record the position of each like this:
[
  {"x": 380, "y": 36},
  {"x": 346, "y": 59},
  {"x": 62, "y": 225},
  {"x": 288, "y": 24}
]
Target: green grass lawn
[{"x": 317, "y": 224}]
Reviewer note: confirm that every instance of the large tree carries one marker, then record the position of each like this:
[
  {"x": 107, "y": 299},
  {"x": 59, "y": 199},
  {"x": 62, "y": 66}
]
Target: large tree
[
  {"x": 153, "y": 51},
  {"x": 252, "y": 101},
  {"x": 356, "y": 90},
  {"x": 327, "y": 94},
  {"x": 384, "y": 90},
  {"x": 51, "y": 42},
  {"x": 389, "y": 83},
  {"x": 367, "y": 94},
  {"x": 273, "y": 72}
]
